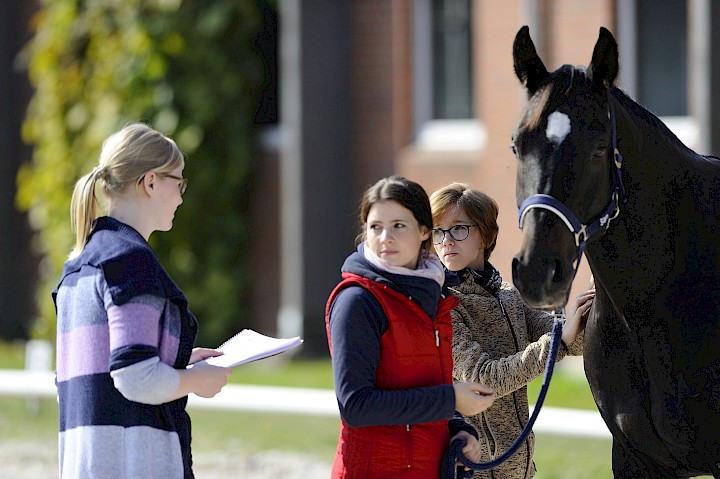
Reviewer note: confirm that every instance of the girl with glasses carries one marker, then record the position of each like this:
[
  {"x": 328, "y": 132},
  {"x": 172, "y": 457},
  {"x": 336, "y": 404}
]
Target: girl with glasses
[
  {"x": 125, "y": 334},
  {"x": 389, "y": 332},
  {"x": 497, "y": 340}
]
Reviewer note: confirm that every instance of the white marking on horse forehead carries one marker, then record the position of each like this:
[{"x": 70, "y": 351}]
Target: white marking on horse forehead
[{"x": 558, "y": 127}]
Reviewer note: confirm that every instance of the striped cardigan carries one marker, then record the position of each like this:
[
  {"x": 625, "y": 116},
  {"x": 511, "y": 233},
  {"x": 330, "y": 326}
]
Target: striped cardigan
[{"x": 123, "y": 330}]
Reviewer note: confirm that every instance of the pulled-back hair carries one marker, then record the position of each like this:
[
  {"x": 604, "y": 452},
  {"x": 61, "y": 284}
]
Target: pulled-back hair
[
  {"x": 403, "y": 191},
  {"x": 126, "y": 156},
  {"x": 480, "y": 208}
]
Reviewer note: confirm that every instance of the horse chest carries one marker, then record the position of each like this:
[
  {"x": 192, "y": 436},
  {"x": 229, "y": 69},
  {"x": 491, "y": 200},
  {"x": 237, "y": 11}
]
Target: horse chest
[{"x": 643, "y": 394}]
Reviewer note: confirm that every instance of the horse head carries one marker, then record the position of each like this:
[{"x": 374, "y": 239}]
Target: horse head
[{"x": 566, "y": 184}]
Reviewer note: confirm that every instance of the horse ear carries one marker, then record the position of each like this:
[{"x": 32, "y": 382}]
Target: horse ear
[
  {"x": 603, "y": 69},
  {"x": 529, "y": 69}
]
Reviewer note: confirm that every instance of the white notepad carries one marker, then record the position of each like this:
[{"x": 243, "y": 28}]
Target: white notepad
[{"x": 249, "y": 345}]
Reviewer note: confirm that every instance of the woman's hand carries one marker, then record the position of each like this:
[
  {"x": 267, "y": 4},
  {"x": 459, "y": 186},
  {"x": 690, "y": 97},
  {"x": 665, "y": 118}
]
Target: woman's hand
[
  {"x": 472, "y": 449},
  {"x": 472, "y": 398},
  {"x": 576, "y": 322},
  {"x": 201, "y": 354},
  {"x": 206, "y": 380}
]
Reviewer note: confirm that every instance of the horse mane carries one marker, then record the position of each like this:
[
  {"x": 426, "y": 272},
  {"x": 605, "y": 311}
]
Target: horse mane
[
  {"x": 639, "y": 111},
  {"x": 644, "y": 115}
]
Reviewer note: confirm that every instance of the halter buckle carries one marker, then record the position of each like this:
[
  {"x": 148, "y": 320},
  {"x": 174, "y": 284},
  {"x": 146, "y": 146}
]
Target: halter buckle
[
  {"x": 618, "y": 158},
  {"x": 581, "y": 235}
]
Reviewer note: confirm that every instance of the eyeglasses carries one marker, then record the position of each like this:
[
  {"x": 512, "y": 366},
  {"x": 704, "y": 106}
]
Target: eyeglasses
[
  {"x": 182, "y": 186},
  {"x": 457, "y": 233}
]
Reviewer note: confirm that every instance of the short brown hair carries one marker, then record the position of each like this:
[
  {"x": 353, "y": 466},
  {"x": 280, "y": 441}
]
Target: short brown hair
[{"x": 482, "y": 210}]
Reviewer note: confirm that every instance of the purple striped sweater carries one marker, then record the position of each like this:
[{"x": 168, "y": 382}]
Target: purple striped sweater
[{"x": 123, "y": 330}]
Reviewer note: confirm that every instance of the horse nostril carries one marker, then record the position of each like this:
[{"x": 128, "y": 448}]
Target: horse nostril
[{"x": 557, "y": 274}]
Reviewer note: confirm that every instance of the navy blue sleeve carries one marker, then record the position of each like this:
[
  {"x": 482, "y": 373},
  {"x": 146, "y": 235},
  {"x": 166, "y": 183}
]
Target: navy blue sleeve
[
  {"x": 357, "y": 322},
  {"x": 134, "y": 274}
]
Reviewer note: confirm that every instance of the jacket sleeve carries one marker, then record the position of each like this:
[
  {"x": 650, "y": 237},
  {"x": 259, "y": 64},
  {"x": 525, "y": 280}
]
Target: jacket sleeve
[
  {"x": 577, "y": 347},
  {"x": 506, "y": 374},
  {"x": 540, "y": 323},
  {"x": 357, "y": 322}
]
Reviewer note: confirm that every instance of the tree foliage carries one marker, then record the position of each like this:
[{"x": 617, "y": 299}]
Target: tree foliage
[{"x": 190, "y": 69}]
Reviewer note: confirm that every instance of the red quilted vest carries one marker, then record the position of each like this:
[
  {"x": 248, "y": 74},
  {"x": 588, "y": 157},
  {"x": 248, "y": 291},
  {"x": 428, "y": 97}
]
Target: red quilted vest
[{"x": 415, "y": 351}]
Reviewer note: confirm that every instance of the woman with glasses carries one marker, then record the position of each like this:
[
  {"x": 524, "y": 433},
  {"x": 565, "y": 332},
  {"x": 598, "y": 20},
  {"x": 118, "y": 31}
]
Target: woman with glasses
[
  {"x": 125, "y": 334},
  {"x": 389, "y": 332},
  {"x": 497, "y": 340}
]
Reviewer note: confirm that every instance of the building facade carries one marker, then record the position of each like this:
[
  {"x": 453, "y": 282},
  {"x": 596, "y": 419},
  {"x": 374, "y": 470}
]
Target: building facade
[{"x": 426, "y": 89}]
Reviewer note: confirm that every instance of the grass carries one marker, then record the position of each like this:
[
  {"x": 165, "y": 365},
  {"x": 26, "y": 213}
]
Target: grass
[
  {"x": 12, "y": 355},
  {"x": 565, "y": 457},
  {"x": 28, "y": 419},
  {"x": 277, "y": 372},
  {"x": 556, "y": 457}
]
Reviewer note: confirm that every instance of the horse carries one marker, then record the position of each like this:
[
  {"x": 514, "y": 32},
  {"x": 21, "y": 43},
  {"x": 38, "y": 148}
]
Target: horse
[{"x": 599, "y": 174}]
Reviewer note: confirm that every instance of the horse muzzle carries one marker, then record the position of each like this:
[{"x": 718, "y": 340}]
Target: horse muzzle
[{"x": 543, "y": 270}]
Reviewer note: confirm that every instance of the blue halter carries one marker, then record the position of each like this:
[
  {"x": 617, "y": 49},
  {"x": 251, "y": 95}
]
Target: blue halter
[{"x": 583, "y": 232}]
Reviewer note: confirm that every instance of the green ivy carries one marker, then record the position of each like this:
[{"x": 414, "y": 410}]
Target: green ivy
[{"x": 190, "y": 69}]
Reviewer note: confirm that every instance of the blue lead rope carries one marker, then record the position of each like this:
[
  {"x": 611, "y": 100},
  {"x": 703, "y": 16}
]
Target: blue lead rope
[{"x": 454, "y": 451}]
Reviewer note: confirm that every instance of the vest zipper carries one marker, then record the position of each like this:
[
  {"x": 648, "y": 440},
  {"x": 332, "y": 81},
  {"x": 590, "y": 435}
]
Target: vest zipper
[
  {"x": 437, "y": 338},
  {"x": 408, "y": 447}
]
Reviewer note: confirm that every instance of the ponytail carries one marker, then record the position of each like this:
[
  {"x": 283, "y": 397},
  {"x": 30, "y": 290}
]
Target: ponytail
[
  {"x": 125, "y": 157},
  {"x": 83, "y": 207}
]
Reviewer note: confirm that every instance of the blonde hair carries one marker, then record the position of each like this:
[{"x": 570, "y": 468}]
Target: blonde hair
[
  {"x": 480, "y": 208},
  {"x": 126, "y": 156}
]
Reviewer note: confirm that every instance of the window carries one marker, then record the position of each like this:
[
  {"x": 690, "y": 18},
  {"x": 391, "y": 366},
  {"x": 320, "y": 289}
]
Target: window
[
  {"x": 443, "y": 102},
  {"x": 452, "y": 60},
  {"x": 662, "y": 56},
  {"x": 655, "y": 63}
]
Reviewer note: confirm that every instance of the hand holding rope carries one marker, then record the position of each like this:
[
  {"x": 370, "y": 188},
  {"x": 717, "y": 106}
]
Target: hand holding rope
[{"x": 454, "y": 451}]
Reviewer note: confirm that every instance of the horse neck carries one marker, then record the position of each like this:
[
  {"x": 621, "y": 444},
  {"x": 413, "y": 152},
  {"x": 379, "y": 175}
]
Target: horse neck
[
  {"x": 652, "y": 153},
  {"x": 654, "y": 159}
]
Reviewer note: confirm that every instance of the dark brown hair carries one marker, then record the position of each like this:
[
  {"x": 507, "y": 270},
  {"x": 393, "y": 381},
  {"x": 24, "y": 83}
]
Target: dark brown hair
[{"x": 403, "y": 191}]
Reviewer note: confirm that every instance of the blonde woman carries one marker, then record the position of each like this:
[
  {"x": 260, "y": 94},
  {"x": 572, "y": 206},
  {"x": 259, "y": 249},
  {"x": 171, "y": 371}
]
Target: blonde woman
[{"x": 125, "y": 334}]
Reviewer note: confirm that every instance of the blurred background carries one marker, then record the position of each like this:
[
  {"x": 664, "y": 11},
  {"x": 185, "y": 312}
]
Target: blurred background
[{"x": 287, "y": 110}]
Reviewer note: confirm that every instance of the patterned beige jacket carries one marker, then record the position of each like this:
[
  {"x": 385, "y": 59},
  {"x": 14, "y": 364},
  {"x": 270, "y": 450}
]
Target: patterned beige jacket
[{"x": 500, "y": 342}]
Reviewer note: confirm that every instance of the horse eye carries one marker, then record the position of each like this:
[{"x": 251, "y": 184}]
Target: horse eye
[{"x": 600, "y": 152}]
